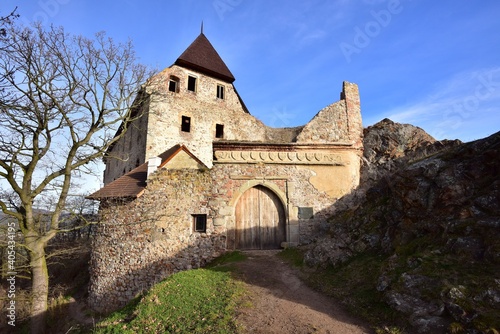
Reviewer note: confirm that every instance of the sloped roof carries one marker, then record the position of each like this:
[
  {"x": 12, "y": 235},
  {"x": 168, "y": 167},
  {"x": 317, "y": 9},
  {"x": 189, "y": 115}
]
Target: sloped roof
[
  {"x": 133, "y": 183},
  {"x": 202, "y": 56}
]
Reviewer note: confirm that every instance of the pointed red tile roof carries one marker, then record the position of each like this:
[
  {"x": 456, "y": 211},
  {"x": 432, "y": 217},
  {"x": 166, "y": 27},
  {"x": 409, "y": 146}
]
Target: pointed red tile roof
[
  {"x": 201, "y": 56},
  {"x": 133, "y": 183}
]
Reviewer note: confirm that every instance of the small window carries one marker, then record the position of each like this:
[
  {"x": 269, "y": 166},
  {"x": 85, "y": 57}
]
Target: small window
[
  {"x": 173, "y": 84},
  {"x": 186, "y": 124},
  {"x": 192, "y": 83},
  {"x": 219, "y": 131},
  {"x": 220, "y": 92},
  {"x": 200, "y": 223}
]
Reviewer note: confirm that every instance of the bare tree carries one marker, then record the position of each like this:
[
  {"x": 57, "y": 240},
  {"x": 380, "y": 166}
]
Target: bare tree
[
  {"x": 62, "y": 100},
  {"x": 6, "y": 21}
]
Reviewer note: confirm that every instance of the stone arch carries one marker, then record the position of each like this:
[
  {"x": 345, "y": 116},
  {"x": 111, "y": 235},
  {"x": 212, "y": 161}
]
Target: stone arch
[
  {"x": 260, "y": 216},
  {"x": 264, "y": 183}
]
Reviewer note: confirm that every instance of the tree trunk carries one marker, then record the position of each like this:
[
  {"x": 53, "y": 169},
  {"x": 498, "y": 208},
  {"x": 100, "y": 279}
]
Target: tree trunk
[{"x": 40, "y": 288}]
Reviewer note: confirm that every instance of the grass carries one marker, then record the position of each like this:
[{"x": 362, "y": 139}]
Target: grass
[
  {"x": 193, "y": 301},
  {"x": 293, "y": 256}
]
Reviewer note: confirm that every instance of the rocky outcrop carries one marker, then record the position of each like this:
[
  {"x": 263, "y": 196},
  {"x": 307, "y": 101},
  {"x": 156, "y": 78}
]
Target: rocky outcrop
[
  {"x": 431, "y": 210},
  {"x": 388, "y": 146}
]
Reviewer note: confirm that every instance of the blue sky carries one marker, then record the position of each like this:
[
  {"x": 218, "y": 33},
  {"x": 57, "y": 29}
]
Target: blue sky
[{"x": 434, "y": 64}]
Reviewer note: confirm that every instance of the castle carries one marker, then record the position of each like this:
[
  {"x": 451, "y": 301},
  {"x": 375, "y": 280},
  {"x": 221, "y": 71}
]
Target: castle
[{"x": 196, "y": 174}]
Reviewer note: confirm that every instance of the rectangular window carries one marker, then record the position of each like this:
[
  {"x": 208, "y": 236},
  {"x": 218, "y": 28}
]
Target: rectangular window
[
  {"x": 192, "y": 83},
  {"x": 186, "y": 124},
  {"x": 172, "y": 86},
  {"x": 219, "y": 131},
  {"x": 220, "y": 92},
  {"x": 200, "y": 223}
]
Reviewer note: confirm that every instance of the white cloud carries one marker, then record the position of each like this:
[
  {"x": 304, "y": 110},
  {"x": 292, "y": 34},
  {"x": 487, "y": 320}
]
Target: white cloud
[{"x": 465, "y": 106}]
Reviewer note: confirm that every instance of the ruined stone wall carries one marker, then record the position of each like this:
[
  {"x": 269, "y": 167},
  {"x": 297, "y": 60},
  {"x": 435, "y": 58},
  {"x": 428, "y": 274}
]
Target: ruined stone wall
[{"x": 338, "y": 122}]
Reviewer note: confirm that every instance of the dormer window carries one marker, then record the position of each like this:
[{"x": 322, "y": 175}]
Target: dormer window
[
  {"x": 191, "y": 83},
  {"x": 220, "y": 92},
  {"x": 173, "y": 84}
]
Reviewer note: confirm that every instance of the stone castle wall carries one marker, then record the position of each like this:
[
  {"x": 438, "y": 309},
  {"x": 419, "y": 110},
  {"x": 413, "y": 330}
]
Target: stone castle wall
[
  {"x": 143, "y": 241},
  {"x": 205, "y": 111},
  {"x": 308, "y": 168}
]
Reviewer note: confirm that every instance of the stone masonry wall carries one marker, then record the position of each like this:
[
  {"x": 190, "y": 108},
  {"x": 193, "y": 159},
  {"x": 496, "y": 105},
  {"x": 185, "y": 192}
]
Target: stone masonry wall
[
  {"x": 128, "y": 152},
  {"x": 143, "y": 241},
  {"x": 205, "y": 111},
  {"x": 338, "y": 122}
]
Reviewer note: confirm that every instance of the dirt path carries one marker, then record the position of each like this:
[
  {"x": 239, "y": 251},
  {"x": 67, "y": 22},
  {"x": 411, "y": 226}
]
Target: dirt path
[{"x": 281, "y": 303}]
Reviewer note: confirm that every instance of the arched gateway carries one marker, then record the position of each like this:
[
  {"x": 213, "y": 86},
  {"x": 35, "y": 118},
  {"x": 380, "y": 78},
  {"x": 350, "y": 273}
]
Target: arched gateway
[{"x": 260, "y": 220}]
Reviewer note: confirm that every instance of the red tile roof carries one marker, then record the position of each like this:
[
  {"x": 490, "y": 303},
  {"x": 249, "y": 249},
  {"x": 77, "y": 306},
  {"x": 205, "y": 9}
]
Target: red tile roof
[
  {"x": 201, "y": 56},
  {"x": 133, "y": 183}
]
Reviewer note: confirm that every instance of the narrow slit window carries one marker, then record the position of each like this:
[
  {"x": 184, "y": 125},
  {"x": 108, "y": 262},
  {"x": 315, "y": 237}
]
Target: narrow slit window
[
  {"x": 220, "y": 92},
  {"x": 192, "y": 84},
  {"x": 200, "y": 223},
  {"x": 219, "y": 130},
  {"x": 186, "y": 124}
]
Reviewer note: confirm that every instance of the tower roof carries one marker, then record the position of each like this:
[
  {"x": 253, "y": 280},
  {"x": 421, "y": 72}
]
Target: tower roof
[{"x": 201, "y": 56}]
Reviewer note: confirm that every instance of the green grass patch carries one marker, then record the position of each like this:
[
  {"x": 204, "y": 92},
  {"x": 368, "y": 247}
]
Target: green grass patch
[
  {"x": 293, "y": 256},
  {"x": 193, "y": 301},
  {"x": 227, "y": 258}
]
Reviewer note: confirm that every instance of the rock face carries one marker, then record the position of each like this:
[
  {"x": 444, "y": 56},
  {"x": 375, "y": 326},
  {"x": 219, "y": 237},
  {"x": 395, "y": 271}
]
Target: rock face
[{"x": 431, "y": 209}]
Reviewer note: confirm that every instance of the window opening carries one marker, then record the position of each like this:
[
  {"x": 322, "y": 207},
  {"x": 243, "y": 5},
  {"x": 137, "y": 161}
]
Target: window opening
[
  {"x": 200, "y": 223},
  {"x": 186, "y": 124},
  {"x": 192, "y": 83},
  {"x": 220, "y": 92},
  {"x": 219, "y": 131},
  {"x": 173, "y": 84}
]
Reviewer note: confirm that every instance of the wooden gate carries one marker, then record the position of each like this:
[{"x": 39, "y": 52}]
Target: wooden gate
[{"x": 260, "y": 220}]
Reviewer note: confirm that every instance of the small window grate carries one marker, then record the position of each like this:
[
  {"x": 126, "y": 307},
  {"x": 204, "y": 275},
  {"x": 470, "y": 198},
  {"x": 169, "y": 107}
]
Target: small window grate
[{"x": 200, "y": 223}]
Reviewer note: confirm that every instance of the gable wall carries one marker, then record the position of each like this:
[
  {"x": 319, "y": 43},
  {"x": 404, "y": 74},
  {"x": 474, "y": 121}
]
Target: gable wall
[{"x": 205, "y": 111}]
